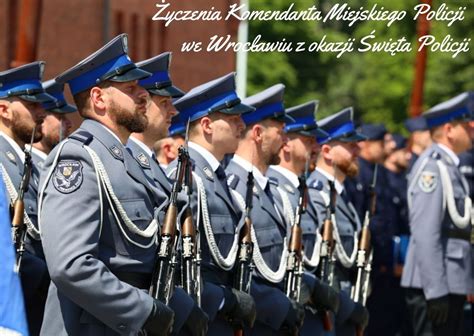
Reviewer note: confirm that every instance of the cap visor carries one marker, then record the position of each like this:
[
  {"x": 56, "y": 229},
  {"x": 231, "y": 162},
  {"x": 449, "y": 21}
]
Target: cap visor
[
  {"x": 170, "y": 91},
  {"x": 66, "y": 108},
  {"x": 284, "y": 118},
  {"x": 316, "y": 132},
  {"x": 130, "y": 75},
  {"x": 238, "y": 109},
  {"x": 354, "y": 137},
  {"x": 38, "y": 98}
]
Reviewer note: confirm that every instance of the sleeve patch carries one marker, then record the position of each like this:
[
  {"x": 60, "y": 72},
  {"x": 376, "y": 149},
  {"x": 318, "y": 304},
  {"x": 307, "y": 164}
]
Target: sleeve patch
[
  {"x": 68, "y": 176},
  {"x": 428, "y": 181}
]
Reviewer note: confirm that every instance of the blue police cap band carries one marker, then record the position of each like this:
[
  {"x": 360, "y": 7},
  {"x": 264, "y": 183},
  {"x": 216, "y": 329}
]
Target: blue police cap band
[
  {"x": 59, "y": 106},
  {"x": 114, "y": 68},
  {"x": 179, "y": 130},
  {"x": 29, "y": 90},
  {"x": 21, "y": 87},
  {"x": 157, "y": 80},
  {"x": 341, "y": 130},
  {"x": 208, "y": 106},
  {"x": 461, "y": 114},
  {"x": 344, "y": 132},
  {"x": 275, "y": 110},
  {"x": 306, "y": 129}
]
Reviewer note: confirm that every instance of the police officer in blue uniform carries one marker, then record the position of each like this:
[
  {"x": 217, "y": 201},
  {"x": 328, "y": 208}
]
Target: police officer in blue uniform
[
  {"x": 295, "y": 156},
  {"x": 258, "y": 149},
  {"x": 56, "y": 125},
  {"x": 214, "y": 112},
  {"x": 21, "y": 95},
  {"x": 383, "y": 302},
  {"x": 438, "y": 269},
  {"x": 98, "y": 211},
  {"x": 336, "y": 161},
  {"x": 159, "y": 113}
]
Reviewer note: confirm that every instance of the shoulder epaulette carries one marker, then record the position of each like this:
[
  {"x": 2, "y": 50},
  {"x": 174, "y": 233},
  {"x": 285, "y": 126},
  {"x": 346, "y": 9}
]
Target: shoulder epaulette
[
  {"x": 232, "y": 181},
  {"x": 273, "y": 180},
  {"x": 82, "y": 136},
  {"x": 435, "y": 155}
]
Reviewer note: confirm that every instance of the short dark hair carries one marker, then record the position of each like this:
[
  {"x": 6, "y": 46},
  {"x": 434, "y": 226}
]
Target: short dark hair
[{"x": 82, "y": 100}]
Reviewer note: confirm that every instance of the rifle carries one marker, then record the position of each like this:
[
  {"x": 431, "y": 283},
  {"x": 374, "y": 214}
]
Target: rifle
[
  {"x": 19, "y": 227},
  {"x": 294, "y": 269},
  {"x": 191, "y": 251},
  {"x": 245, "y": 266},
  {"x": 326, "y": 261},
  {"x": 364, "y": 253},
  {"x": 162, "y": 282}
]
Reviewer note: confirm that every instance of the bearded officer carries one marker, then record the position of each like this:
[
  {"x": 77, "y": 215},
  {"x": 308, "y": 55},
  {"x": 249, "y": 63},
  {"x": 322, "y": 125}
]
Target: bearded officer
[
  {"x": 214, "y": 111},
  {"x": 336, "y": 161},
  {"x": 98, "y": 210},
  {"x": 438, "y": 269},
  {"x": 159, "y": 113},
  {"x": 56, "y": 125},
  {"x": 295, "y": 157},
  {"x": 258, "y": 149},
  {"x": 21, "y": 114}
]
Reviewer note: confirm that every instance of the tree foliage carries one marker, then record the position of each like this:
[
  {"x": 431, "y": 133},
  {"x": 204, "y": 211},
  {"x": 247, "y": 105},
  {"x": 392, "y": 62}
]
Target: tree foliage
[{"x": 377, "y": 84}]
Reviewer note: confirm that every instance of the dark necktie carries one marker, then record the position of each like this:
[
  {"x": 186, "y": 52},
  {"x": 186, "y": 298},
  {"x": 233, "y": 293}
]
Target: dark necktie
[
  {"x": 220, "y": 173},
  {"x": 345, "y": 197}
]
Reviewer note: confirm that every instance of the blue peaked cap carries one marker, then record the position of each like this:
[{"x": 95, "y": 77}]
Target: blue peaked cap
[
  {"x": 24, "y": 82},
  {"x": 268, "y": 104},
  {"x": 304, "y": 117},
  {"x": 60, "y": 105},
  {"x": 109, "y": 63},
  {"x": 177, "y": 126},
  {"x": 460, "y": 107},
  {"x": 340, "y": 126},
  {"x": 218, "y": 95},
  {"x": 416, "y": 124},
  {"x": 159, "y": 83},
  {"x": 373, "y": 132},
  {"x": 400, "y": 141}
]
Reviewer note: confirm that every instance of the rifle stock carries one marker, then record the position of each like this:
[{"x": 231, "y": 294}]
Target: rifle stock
[
  {"x": 18, "y": 220},
  {"x": 191, "y": 272},
  {"x": 163, "y": 274},
  {"x": 245, "y": 254},
  {"x": 294, "y": 270},
  {"x": 326, "y": 268},
  {"x": 364, "y": 253}
]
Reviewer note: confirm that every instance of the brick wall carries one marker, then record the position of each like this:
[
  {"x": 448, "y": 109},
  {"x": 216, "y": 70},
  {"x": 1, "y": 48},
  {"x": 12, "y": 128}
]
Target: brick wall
[{"x": 71, "y": 30}]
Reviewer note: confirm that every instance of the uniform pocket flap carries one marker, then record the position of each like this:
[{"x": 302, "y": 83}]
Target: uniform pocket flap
[
  {"x": 268, "y": 237},
  {"x": 222, "y": 224},
  {"x": 137, "y": 210},
  {"x": 454, "y": 250}
]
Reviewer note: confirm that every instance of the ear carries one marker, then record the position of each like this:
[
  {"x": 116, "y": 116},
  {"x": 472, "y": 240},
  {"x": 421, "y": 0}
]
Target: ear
[
  {"x": 257, "y": 133},
  {"x": 206, "y": 125},
  {"x": 5, "y": 110},
  {"x": 326, "y": 152},
  {"x": 287, "y": 146},
  {"x": 98, "y": 98},
  {"x": 166, "y": 148}
]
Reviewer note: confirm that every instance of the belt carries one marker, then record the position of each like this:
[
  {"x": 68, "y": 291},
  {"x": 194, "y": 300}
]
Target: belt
[
  {"x": 138, "y": 280},
  {"x": 457, "y": 234}
]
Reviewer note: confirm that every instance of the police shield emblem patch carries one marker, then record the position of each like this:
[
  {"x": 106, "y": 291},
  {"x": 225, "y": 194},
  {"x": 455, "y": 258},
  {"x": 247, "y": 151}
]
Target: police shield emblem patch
[
  {"x": 427, "y": 181},
  {"x": 10, "y": 156},
  {"x": 143, "y": 160},
  {"x": 208, "y": 173},
  {"x": 67, "y": 176}
]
